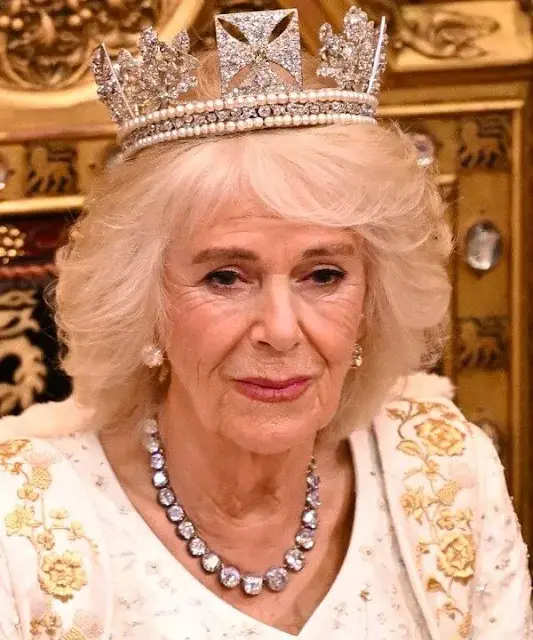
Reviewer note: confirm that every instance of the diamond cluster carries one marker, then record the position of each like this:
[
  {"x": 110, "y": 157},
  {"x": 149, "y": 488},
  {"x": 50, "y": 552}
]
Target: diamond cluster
[
  {"x": 261, "y": 79},
  {"x": 276, "y": 578}
]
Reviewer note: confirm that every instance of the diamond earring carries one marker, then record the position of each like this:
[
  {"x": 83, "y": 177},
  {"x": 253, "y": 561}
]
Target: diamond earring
[
  {"x": 152, "y": 356},
  {"x": 357, "y": 357}
]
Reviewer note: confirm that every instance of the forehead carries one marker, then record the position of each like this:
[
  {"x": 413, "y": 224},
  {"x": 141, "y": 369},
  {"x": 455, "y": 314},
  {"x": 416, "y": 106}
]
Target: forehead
[{"x": 254, "y": 226}]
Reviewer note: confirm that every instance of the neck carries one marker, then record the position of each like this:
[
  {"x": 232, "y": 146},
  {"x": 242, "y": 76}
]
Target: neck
[{"x": 227, "y": 490}]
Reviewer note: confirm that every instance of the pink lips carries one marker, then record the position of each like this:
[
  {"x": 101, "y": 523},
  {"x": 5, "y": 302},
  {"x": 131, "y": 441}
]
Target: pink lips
[{"x": 266, "y": 390}]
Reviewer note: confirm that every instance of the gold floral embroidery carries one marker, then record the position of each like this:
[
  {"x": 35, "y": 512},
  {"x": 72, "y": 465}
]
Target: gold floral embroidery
[
  {"x": 457, "y": 556},
  {"x": 430, "y": 502},
  {"x": 61, "y": 574}
]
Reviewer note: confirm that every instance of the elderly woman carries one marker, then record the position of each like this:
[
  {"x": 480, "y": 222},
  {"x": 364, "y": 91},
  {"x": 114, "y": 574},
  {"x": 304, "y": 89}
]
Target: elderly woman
[{"x": 244, "y": 454}]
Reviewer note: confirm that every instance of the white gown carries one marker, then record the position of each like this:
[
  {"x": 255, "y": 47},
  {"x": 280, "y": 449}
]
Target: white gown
[{"x": 155, "y": 598}]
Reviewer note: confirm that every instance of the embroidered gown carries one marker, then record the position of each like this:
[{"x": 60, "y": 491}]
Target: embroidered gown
[{"x": 426, "y": 560}]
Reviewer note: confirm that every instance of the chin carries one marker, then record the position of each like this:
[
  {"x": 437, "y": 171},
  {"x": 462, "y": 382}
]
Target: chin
[{"x": 269, "y": 437}]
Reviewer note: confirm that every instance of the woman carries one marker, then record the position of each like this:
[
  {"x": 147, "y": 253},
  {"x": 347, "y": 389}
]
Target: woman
[{"x": 241, "y": 313}]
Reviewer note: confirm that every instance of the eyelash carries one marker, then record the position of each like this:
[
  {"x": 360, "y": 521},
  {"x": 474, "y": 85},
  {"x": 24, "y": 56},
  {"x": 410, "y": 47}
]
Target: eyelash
[{"x": 211, "y": 278}]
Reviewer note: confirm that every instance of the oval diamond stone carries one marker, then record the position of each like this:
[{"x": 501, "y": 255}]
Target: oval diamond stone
[
  {"x": 166, "y": 497},
  {"x": 210, "y": 562},
  {"x": 197, "y": 547},
  {"x": 157, "y": 461},
  {"x": 309, "y": 518},
  {"x": 152, "y": 444},
  {"x": 230, "y": 577},
  {"x": 175, "y": 513},
  {"x": 276, "y": 578},
  {"x": 160, "y": 479},
  {"x": 295, "y": 559},
  {"x": 305, "y": 539},
  {"x": 252, "y": 585},
  {"x": 186, "y": 529},
  {"x": 313, "y": 480},
  {"x": 313, "y": 499}
]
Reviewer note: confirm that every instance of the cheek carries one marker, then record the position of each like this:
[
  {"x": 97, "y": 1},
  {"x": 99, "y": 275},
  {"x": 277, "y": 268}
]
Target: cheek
[
  {"x": 333, "y": 325},
  {"x": 201, "y": 332}
]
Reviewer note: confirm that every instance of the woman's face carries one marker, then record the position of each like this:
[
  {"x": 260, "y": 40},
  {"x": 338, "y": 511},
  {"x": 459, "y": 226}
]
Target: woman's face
[{"x": 265, "y": 313}]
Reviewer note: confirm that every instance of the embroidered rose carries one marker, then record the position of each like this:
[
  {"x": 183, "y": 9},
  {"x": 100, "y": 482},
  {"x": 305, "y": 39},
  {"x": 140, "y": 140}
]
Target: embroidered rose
[
  {"x": 415, "y": 503},
  {"x": 61, "y": 575},
  {"x": 441, "y": 438},
  {"x": 457, "y": 556},
  {"x": 21, "y": 521}
]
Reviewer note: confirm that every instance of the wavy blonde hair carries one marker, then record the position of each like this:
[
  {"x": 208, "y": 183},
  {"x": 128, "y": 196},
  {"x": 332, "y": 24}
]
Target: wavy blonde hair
[{"x": 112, "y": 295}]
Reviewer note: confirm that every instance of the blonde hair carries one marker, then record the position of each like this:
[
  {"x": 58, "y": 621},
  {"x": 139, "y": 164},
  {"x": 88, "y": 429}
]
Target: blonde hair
[{"x": 112, "y": 295}]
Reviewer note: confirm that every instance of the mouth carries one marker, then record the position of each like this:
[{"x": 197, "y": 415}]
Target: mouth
[{"x": 266, "y": 390}]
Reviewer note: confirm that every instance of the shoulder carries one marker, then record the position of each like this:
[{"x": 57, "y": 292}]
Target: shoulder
[{"x": 47, "y": 420}]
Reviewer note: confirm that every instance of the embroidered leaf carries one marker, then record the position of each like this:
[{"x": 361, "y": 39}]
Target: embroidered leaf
[
  {"x": 410, "y": 448},
  {"x": 396, "y": 414},
  {"x": 433, "y": 586}
]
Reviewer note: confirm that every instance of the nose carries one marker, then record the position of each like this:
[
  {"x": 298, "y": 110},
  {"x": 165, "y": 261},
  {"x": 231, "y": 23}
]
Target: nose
[{"x": 277, "y": 324}]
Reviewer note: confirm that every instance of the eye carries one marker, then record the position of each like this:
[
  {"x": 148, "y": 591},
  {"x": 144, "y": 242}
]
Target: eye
[
  {"x": 223, "y": 278},
  {"x": 325, "y": 276}
]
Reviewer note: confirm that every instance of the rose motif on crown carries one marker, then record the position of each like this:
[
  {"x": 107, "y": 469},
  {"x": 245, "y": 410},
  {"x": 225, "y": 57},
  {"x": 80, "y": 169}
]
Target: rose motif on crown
[
  {"x": 61, "y": 575},
  {"x": 457, "y": 556},
  {"x": 441, "y": 438},
  {"x": 46, "y": 44}
]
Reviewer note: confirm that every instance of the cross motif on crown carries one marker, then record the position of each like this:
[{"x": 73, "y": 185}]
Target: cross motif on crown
[{"x": 259, "y": 52}]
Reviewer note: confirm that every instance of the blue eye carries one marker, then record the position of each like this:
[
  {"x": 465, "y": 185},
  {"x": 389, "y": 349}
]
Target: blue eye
[
  {"x": 326, "y": 276},
  {"x": 222, "y": 278}
]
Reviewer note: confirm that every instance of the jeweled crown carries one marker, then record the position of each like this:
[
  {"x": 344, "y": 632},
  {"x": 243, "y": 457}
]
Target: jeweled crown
[{"x": 261, "y": 79}]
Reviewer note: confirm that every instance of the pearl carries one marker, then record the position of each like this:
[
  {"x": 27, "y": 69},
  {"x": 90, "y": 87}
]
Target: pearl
[
  {"x": 221, "y": 127},
  {"x": 269, "y": 122},
  {"x": 205, "y": 129},
  {"x": 210, "y": 105},
  {"x": 287, "y": 120},
  {"x": 189, "y": 108},
  {"x": 322, "y": 118},
  {"x": 230, "y": 103},
  {"x": 305, "y": 119},
  {"x": 249, "y": 123},
  {"x": 182, "y": 133},
  {"x": 330, "y": 94},
  {"x": 283, "y": 98},
  {"x": 250, "y": 101},
  {"x": 278, "y": 121},
  {"x": 180, "y": 110},
  {"x": 313, "y": 96},
  {"x": 294, "y": 96},
  {"x": 231, "y": 126},
  {"x": 241, "y": 101},
  {"x": 142, "y": 119},
  {"x": 190, "y": 132},
  {"x": 212, "y": 128},
  {"x": 271, "y": 98},
  {"x": 241, "y": 125},
  {"x": 259, "y": 123},
  {"x": 171, "y": 112},
  {"x": 219, "y": 104},
  {"x": 261, "y": 100},
  {"x": 199, "y": 107},
  {"x": 197, "y": 130},
  {"x": 313, "y": 119},
  {"x": 297, "y": 120}
]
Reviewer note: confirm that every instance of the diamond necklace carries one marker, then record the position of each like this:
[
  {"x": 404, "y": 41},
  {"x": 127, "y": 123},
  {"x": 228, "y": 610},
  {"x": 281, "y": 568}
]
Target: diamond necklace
[{"x": 276, "y": 578}]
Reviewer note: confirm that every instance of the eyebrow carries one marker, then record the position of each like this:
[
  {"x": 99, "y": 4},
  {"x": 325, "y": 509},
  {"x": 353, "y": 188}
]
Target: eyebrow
[{"x": 235, "y": 253}]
